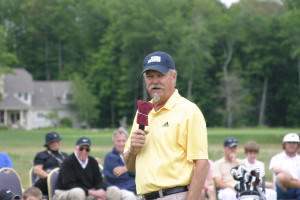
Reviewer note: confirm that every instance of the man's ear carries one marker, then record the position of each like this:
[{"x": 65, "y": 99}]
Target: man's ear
[{"x": 174, "y": 76}]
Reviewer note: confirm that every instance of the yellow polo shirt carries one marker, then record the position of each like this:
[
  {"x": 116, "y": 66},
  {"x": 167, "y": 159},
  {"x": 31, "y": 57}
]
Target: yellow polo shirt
[{"x": 177, "y": 136}]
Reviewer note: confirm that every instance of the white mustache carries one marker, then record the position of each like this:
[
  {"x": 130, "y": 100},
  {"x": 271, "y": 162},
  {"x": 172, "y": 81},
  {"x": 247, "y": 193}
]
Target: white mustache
[{"x": 159, "y": 86}]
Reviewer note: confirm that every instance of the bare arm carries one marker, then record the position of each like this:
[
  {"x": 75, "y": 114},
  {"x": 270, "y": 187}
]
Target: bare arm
[
  {"x": 209, "y": 177},
  {"x": 138, "y": 139},
  {"x": 277, "y": 170},
  {"x": 38, "y": 170},
  {"x": 198, "y": 179}
]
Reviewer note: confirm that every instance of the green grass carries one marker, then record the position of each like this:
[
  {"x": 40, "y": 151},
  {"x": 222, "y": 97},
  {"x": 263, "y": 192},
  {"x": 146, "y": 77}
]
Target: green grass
[{"x": 22, "y": 145}]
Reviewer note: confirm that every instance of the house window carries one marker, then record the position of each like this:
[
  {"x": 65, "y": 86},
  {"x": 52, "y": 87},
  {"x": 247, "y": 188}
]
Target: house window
[
  {"x": 40, "y": 115},
  {"x": 20, "y": 95},
  {"x": 69, "y": 96},
  {"x": 26, "y": 96},
  {"x": 2, "y": 117}
]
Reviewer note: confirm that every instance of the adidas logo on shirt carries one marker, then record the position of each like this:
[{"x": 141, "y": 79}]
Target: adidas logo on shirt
[{"x": 166, "y": 124}]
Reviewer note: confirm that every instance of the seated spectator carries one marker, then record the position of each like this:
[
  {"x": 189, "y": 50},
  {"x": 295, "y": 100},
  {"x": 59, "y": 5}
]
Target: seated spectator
[
  {"x": 286, "y": 168},
  {"x": 251, "y": 150},
  {"x": 47, "y": 160},
  {"x": 209, "y": 190},
  {"x": 80, "y": 177},
  {"x": 298, "y": 151},
  {"x": 32, "y": 193},
  {"x": 5, "y": 161},
  {"x": 115, "y": 170},
  {"x": 6, "y": 194},
  {"x": 223, "y": 179}
]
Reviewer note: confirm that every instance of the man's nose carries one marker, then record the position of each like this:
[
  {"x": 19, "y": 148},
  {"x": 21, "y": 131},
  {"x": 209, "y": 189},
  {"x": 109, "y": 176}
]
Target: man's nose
[{"x": 155, "y": 80}]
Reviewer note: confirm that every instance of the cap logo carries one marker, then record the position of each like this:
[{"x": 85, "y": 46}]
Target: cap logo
[
  {"x": 84, "y": 140},
  {"x": 154, "y": 59}
]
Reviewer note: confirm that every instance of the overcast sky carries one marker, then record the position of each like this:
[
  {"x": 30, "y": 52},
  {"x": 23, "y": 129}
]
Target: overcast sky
[{"x": 228, "y": 2}]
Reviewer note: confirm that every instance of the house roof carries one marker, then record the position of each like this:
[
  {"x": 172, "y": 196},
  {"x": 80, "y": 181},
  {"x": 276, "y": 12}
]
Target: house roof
[
  {"x": 43, "y": 94},
  {"x": 11, "y": 102},
  {"x": 47, "y": 94},
  {"x": 19, "y": 81}
]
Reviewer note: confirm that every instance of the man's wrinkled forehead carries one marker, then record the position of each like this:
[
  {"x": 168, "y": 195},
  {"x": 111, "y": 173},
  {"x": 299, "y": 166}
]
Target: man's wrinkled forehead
[{"x": 150, "y": 72}]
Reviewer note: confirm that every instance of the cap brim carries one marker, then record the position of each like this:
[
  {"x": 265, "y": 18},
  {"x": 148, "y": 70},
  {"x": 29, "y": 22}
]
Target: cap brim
[
  {"x": 159, "y": 68},
  {"x": 16, "y": 197},
  {"x": 81, "y": 144},
  {"x": 291, "y": 141},
  {"x": 231, "y": 145},
  {"x": 55, "y": 140}
]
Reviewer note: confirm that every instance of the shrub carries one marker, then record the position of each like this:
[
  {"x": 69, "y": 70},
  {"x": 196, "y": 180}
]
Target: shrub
[{"x": 66, "y": 122}]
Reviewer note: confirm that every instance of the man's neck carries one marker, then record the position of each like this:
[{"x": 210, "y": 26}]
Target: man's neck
[
  {"x": 160, "y": 104},
  {"x": 251, "y": 161},
  {"x": 291, "y": 155}
]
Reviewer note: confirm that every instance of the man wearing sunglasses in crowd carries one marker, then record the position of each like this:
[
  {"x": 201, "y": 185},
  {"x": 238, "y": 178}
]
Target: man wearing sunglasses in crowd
[{"x": 80, "y": 177}]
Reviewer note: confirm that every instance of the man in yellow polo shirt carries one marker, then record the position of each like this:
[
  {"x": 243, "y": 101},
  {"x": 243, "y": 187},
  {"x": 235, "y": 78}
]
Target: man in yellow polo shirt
[{"x": 170, "y": 156}]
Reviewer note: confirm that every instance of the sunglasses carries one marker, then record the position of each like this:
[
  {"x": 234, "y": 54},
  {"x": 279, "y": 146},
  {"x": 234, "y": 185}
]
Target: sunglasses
[{"x": 87, "y": 149}]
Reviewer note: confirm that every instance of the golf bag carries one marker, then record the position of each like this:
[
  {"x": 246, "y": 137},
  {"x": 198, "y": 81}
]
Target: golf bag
[{"x": 248, "y": 186}]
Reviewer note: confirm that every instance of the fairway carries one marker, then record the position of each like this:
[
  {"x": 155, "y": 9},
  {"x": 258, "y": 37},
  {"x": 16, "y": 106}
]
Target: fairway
[{"x": 22, "y": 145}]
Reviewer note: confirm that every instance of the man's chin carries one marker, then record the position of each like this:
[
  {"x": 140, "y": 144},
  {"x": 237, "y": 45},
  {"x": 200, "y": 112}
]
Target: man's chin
[{"x": 156, "y": 98}]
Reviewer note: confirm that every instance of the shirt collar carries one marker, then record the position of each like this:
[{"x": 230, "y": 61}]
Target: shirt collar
[
  {"x": 83, "y": 164},
  {"x": 171, "y": 101},
  {"x": 285, "y": 155}
]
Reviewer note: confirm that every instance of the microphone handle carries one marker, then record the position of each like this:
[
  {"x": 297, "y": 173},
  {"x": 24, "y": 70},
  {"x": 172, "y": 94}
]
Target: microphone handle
[{"x": 142, "y": 127}]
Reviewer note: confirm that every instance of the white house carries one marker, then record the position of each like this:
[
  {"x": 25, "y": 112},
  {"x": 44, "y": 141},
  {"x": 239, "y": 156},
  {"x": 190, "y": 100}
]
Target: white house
[{"x": 26, "y": 103}]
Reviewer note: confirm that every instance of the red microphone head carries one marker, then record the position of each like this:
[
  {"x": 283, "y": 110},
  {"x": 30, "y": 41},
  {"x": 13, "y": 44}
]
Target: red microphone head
[{"x": 143, "y": 110}]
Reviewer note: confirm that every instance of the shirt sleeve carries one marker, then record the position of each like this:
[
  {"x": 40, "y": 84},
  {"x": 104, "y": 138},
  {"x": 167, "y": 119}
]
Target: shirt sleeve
[
  {"x": 197, "y": 136},
  {"x": 8, "y": 161},
  {"x": 99, "y": 182},
  {"x": 274, "y": 162},
  {"x": 39, "y": 159},
  {"x": 110, "y": 163},
  {"x": 216, "y": 170}
]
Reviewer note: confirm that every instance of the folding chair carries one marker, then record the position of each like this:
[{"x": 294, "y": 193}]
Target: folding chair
[
  {"x": 51, "y": 181},
  {"x": 33, "y": 179},
  {"x": 11, "y": 180}
]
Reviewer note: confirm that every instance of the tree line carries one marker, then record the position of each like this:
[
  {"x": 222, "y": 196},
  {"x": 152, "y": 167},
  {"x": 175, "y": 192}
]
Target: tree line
[{"x": 240, "y": 65}]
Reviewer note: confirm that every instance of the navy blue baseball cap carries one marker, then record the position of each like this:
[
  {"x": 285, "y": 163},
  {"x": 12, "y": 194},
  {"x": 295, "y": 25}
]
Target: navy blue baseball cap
[
  {"x": 159, "y": 61},
  {"x": 6, "y": 194},
  {"x": 230, "y": 142},
  {"x": 83, "y": 141},
  {"x": 51, "y": 137}
]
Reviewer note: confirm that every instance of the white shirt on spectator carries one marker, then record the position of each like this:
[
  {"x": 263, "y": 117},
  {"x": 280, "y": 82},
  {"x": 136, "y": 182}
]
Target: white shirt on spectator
[
  {"x": 257, "y": 164},
  {"x": 286, "y": 163}
]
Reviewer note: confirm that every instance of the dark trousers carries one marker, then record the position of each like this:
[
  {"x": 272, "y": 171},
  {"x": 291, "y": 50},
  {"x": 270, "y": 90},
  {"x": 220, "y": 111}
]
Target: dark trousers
[
  {"x": 42, "y": 184},
  {"x": 290, "y": 194}
]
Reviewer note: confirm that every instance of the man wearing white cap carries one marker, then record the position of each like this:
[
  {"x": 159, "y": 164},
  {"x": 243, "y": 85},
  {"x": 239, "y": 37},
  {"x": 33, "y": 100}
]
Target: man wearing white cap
[{"x": 286, "y": 168}]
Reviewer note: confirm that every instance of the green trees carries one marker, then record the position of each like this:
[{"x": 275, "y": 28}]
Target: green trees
[
  {"x": 84, "y": 101},
  {"x": 240, "y": 65}
]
